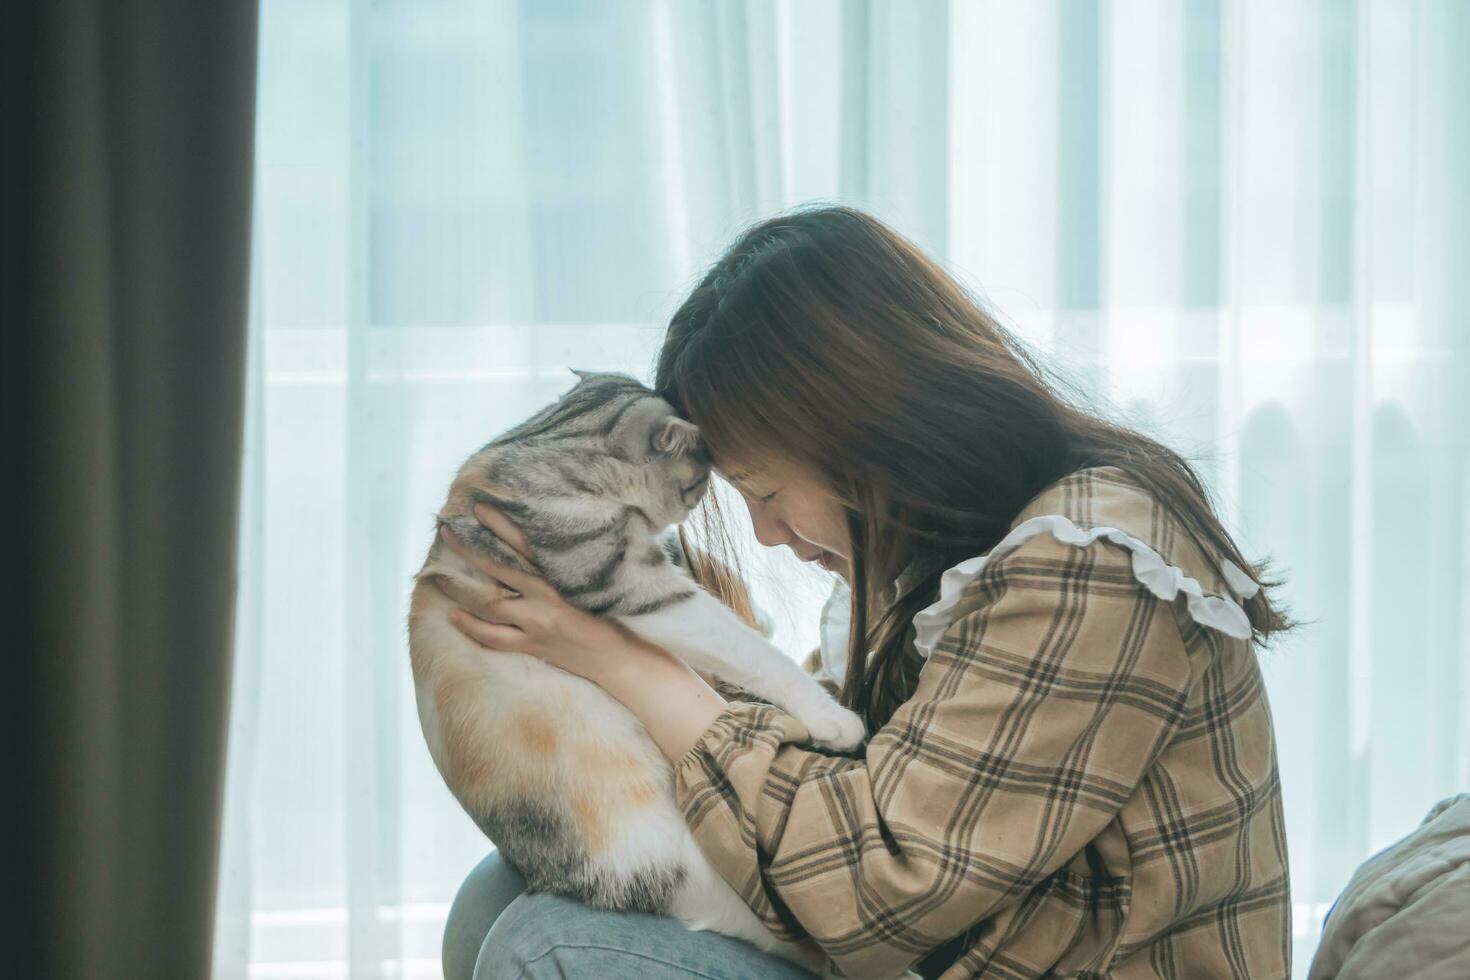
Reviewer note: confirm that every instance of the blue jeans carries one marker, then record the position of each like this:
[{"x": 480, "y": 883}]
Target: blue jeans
[{"x": 496, "y": 931}]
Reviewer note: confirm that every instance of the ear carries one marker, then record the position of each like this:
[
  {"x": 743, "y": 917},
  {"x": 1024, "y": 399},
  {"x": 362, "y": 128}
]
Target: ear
[{"x": 675, "y": 436}]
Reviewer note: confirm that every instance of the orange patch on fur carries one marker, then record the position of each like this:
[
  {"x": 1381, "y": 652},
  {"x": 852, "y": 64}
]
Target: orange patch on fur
[
  {"x": 641, "y": 794},
  {"x": 537, "y": 733},
  {"x": 626, "y": 776},
  {"x": 606, "y": 764},
  {"x": 592, "y": 827}
]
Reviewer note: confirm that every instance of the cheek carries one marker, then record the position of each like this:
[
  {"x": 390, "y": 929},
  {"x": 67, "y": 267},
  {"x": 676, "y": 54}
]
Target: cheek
[{"x": 825, "y": 527}]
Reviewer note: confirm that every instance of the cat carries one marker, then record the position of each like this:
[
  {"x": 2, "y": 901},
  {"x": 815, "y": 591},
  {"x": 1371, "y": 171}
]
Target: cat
[{"x": 556, "y": 772}]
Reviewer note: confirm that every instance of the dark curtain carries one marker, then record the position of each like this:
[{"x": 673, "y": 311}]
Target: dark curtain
[{"x": 126, "y": 144}]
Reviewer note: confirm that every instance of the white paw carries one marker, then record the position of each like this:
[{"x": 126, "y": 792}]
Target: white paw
[{"x": 833, "y": 726}]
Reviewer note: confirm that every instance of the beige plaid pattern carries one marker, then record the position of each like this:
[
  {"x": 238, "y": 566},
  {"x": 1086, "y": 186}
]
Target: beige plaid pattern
[{"x": 1084, "y": 783}]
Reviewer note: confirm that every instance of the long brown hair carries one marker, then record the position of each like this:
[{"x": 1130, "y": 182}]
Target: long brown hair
[{"x": 824, "y": 338}]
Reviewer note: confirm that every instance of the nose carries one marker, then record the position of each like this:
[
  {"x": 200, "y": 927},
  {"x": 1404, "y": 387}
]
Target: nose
[{"x": 769, "y": 530}]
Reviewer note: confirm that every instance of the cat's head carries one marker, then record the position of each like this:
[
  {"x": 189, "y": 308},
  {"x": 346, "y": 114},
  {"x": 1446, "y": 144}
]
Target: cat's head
[{"x": 654, "y": 460}]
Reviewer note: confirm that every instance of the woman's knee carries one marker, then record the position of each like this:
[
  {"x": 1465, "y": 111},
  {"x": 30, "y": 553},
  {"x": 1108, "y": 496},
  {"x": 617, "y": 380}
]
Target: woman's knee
[
  {"x": 547, "y": 936},
  {"x": 485, "y": 893}
]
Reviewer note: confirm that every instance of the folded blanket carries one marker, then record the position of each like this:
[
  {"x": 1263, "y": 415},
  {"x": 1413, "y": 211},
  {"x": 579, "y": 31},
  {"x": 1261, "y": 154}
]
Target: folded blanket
[{"x": 1406, "y": 912}]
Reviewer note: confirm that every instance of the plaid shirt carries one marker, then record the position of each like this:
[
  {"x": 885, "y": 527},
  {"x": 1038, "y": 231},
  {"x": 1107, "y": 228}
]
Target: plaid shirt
[{"x": 1084, "y": 783}]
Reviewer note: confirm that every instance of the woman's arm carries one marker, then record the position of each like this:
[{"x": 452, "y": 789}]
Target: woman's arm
[
  {"x": 1035, "y": 721},
  {"x": 674, "y": 703}
]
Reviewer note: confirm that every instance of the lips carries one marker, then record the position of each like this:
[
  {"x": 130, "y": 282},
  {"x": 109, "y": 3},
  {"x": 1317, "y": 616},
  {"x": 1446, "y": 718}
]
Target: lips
[{"x": 824, "y": 558}]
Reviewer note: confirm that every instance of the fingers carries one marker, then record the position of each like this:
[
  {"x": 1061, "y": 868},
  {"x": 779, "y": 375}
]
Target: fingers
[
  {"x": 484, "y": 601},
  {"x": 488, "y": 621},
  {"x": 506, "y": 639},
  {"x": 494, "y": 519},
  {"x": 522, "y": 582}
]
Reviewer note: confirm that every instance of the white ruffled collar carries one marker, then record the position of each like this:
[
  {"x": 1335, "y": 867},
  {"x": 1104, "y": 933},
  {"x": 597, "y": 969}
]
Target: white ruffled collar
[{"x": 1164, "y": 580}]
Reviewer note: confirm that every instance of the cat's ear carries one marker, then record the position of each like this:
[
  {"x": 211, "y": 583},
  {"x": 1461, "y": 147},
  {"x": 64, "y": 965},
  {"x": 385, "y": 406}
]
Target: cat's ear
[{"x": 675, "y": 437}]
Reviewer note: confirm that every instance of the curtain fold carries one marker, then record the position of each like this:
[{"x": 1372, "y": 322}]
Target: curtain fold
[
  {"x": 126, "y": 380},
  {"x": 1240, "y": 224}
]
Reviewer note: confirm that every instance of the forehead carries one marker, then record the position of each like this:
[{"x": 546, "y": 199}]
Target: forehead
[
  {"x": 737, "y": 469},
  {"x": 734, "y": 473},
  {"x": 750, "y": 472}
]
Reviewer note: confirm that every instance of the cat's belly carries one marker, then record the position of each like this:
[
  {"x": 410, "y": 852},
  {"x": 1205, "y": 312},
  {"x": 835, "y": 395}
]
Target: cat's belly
[{"x": 557, "y": 772}]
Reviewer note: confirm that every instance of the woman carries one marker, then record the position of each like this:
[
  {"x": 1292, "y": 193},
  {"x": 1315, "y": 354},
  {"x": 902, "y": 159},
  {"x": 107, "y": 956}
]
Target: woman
[{"x": 1071, "y": 769}]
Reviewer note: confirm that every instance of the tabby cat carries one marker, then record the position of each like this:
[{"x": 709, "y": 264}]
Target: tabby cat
[{"x": 557, "y": 773}]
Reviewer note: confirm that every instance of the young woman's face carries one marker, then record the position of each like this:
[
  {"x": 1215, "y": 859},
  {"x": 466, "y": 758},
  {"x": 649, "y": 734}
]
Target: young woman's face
[{"x": 792, "y": 506}]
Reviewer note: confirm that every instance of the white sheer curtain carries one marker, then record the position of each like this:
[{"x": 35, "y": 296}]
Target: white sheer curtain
[{"x": 1245, "y": 223}]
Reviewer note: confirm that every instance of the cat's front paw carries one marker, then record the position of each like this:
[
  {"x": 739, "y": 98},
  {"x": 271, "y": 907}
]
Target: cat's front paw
[{"x": 832, "y": 726}]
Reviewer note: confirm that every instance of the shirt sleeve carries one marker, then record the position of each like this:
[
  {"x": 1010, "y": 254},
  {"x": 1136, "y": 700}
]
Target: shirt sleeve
[{"x": 1034, "y": 720}]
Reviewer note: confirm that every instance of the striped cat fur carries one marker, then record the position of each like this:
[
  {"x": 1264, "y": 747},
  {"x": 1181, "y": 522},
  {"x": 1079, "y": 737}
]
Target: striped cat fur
[{"x": 558, "y": 774}]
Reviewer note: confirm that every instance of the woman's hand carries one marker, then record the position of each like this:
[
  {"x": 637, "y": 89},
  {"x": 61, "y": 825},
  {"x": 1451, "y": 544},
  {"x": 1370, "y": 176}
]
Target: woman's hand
[
  {"x": 675, "y": 704},
  {"x": 536, "y": 620}
]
